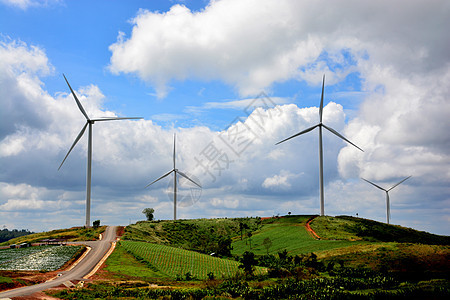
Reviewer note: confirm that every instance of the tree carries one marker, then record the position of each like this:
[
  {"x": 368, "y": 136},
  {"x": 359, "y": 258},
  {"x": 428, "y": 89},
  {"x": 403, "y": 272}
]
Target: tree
[
  {"x": 96, "y": 223},
  {"x": 267, "y": 243},
  {"x": 148, "y": 212},
  {"x": 248, "y": 262},
  {"x": 224, "y": 246},
  {"x": 249, "y": 234}
]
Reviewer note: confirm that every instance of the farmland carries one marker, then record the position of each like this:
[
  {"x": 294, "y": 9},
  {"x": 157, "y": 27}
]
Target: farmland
[
  {"x": 48, "y": 258},
  {"x": 175, "y": 262}
]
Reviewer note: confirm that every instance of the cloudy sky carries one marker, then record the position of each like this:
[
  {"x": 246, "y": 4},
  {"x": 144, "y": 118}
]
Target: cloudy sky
[{"x": 231, "y": 78}]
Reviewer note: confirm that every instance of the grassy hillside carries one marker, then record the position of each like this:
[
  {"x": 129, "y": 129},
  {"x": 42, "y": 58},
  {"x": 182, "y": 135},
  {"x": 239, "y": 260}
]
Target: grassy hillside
[
  {"x": 202, "y": 235},
  {"x": 345, "y": 227},
  {"x": 176, "y": 263},
  {"x": 71, "y": 234},
  {"x": 285, "y": 233}
]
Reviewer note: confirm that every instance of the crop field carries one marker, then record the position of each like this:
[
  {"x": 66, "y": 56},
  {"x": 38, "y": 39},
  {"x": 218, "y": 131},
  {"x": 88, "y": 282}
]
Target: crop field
[
  {"x": 47, "y": 258},
  {"x": 176, "y": 262}
]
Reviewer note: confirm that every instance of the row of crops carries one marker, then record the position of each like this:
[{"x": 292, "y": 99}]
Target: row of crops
[
  {"x": 48, "y": 258},
  {"x": 174, "y": 261}
]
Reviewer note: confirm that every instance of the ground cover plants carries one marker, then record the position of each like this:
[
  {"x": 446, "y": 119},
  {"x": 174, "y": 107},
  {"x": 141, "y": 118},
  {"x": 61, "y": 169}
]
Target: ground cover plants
[
  {"x": 40, "y": 258},
  {"x": 287, "y": 233},
  {"x": 71, "y": 234},
  {"x": 354, "y": 259},
  {"x": 345, "y": 227},
  {"x": 182, "y": 264}
]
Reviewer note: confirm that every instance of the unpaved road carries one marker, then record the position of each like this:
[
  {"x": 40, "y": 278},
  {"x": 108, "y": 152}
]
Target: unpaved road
[{"x": 99, "y": 249}]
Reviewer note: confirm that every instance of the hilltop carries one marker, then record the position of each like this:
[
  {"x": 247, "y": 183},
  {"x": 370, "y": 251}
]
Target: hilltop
[
  {"x": 351, "y": 228},
  {"x": 71, "y": 234},
  {"x": 288, "y": 232}
]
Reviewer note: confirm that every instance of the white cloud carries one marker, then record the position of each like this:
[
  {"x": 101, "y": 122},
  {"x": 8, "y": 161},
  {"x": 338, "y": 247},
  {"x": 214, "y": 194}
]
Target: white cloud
[
  {"x": 266, "y": 42},
  {"x": 282, "y": 181},
  {"x": 399, "y": 54},
  {"x": 244, "y": 104},
  {"x": 25, "y": 4}
]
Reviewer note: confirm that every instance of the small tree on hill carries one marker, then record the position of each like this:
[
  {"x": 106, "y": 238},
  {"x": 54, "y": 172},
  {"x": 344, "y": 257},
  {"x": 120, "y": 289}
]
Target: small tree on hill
[
  {"x": 148, "y": 212},
  {"x": 248, "y": 262},
  {"x": 96, "y": 223},
  {"x": 224, "y": 246},
  {"x": 267, "y": 243}
]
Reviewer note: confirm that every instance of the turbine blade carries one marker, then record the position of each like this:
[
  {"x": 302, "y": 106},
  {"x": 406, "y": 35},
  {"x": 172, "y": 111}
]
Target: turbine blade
[
  {"x": 321, "y": 99},
  {"x": 165, "y": 175},
  {"x": 116, "y": 118},
  {"x": 374, "y": 184},
  {"x": 76, "y": 99},
  {"x": 341, "y": 136},
  {"x": 174, "y": 151},
  {"x": 185, "y": 176},
  {"x": 399, "y": 183},
  {"x": 300, "y": 133},
  {"x": 74, "y": 143}
]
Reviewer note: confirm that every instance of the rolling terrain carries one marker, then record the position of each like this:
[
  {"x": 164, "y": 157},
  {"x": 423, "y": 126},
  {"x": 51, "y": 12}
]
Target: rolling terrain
[{"x": 353, "y": 259}]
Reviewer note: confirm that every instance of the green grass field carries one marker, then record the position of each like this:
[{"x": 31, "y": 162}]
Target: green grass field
[
  {"x": 123, "y": 266},
  {"x": 286, "y": 233},
  {"x": 345, "y": 227},
  {"x": 174, "y": 262}
]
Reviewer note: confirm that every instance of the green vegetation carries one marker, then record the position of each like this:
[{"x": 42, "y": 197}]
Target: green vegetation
[
  {"x": 287, "y": 233},
  {"x": 202, "y": 235},
  {"x": 274, "y": 258},
  {"x": 176, "y": 263},
  {"x": 71, "y": 234},
  {"x": 123, "y": 265},
  {"x": 373, "y": 286},
  {"x": 345, "y": 227},
  {"x": 6, "y": 235}
]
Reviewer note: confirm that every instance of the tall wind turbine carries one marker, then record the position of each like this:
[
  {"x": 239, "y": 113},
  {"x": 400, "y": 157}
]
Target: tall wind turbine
[
  {"x": 175, "y": 172},
  {"x": 388, "y": 205},
  {"x": 89, "y": 122},
  {"x": 320, "y": 125}
]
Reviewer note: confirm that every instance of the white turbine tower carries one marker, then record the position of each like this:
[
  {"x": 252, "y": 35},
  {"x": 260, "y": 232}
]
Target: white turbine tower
[
  {"x": 175, "y": 172},
  {"x": 320, "y": 125},
  {"x": 388, "y": 205},
  {"x": 89, "y": 122}
]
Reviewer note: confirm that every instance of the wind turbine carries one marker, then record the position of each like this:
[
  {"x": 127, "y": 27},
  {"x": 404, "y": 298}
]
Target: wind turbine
[
  {"x": 175, "y": 172},
  {"x": 320, "y": 125},
  {"x": 89, "y": 122},
  {"x": 388, "y": 206}
]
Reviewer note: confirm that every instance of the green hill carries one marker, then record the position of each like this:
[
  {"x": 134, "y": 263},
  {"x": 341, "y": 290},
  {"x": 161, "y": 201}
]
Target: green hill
[
  {"x": 351, "y": 228},
  {"x": 71, "y": 234},
  {"x": 272, "y": 235}
]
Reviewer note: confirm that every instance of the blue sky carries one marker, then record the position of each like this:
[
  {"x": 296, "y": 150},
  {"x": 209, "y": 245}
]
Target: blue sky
[{"x": 193, "y": 68}]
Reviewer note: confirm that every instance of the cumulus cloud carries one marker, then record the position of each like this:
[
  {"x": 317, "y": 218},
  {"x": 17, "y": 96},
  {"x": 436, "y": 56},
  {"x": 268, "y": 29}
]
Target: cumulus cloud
[
  {"x": 398, "y": 54},
  {"x": 266, "y": 42},
  {"x": 127, "y": 155},
  {"x": 25, "y": 4},
  {"x": 282, "y": 181}
]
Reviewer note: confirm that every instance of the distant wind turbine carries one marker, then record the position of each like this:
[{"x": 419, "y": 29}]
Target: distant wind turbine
[
  {"x": 89, "y": 122},
  {"x": 175, "y": 172},
  {"x": 388, "y": 205},
  {"x": 320, "y": 125}
]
